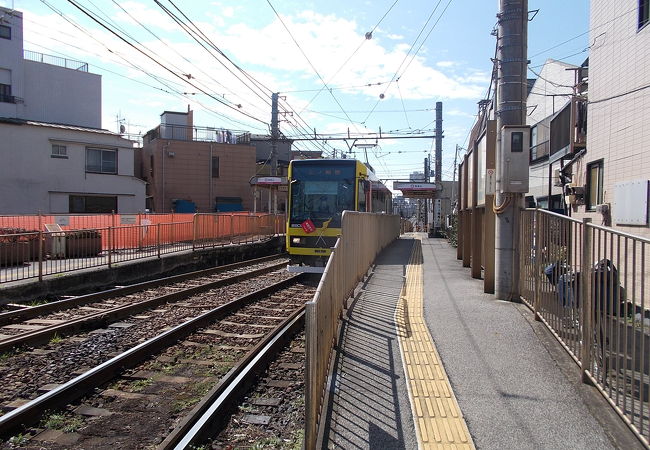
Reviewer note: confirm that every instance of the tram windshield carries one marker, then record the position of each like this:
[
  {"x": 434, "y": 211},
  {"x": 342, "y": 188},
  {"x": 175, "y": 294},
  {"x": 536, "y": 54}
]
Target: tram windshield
[{"x": 321, "y": 192}]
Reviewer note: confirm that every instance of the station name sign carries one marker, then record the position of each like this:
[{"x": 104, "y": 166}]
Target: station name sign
[
  {"x": 401, "y": 186},
  {"x": 269, "y": 181}
]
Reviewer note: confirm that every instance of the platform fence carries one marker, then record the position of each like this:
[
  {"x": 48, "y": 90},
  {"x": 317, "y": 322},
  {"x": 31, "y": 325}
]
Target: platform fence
[
  {"x": 590, "y": 285},
  {"x": 39, "y": 245},
  {"x": 363, "y": 236}
]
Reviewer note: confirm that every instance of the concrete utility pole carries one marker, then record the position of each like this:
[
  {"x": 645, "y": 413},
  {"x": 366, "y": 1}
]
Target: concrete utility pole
[
  {"x": 438, "y": 174},
  {"x": 427, "y": 170},
  {"x": 511, "y": 63},
  {"x": 275, "y": 134}
]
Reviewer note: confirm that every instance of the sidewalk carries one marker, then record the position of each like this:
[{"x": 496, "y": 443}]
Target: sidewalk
[{"x": 515, "y": 385}]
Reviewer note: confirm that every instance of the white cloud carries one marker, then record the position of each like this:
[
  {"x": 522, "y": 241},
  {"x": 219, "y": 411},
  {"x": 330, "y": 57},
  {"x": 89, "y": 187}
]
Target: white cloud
[
  {"x": 395, "y": 37},
  {"x": 446, "y": 63}
]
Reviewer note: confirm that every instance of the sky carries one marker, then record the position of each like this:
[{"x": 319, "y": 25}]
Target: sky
[{"x": 332, "y": 76}]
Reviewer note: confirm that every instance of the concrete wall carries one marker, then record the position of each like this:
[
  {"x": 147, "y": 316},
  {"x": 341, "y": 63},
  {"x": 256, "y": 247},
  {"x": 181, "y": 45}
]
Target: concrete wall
[
  {"x": 48, "y": 93},
  {"x": 59, "y": 95},
  {"x": 619, "y": 62},
  {"x": 11, "y": 61},
  {"x": 546, "y": 97},
  {"x": 31, "y": 180},
  {"x": 187, "y": 174}
]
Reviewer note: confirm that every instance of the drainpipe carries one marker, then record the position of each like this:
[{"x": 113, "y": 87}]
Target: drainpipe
[{"x": 164, "y": 156}]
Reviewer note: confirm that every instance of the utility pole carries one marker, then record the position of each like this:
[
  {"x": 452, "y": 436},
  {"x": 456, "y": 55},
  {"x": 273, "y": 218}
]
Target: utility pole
[
  {"x": 275, "y": 134},
  {"x": 438, "y": 174},
  {"x": 511, "y": 63},
  {"x": 427, "y": 170}
]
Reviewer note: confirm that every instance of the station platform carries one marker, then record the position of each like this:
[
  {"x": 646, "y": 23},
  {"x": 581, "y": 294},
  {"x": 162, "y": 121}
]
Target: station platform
[{"x": 427, "y": 360}]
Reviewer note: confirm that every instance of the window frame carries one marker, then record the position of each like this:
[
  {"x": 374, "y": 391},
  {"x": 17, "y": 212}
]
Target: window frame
[
  {"x": 5, "y": 93},
  {"x": 58, "y": 154},
  {"x": 590, "y": 204},
  {"x": 8, "y": 34},
  {"x": 102, "y": 150},
  {"x": 644, "y": 14},
  {"x": 84, "y": 199}
]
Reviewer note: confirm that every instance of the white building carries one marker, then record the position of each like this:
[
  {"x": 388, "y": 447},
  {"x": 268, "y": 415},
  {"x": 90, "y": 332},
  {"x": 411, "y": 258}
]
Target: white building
[
  {"x": 66, "y": 169},
  {"x": 615, "y": 169},
  {"x": 45, "y": 88},
  {"x": 55, "y": 157}
]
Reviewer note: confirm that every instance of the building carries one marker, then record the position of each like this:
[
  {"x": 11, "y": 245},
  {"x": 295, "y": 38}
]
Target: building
[
  {"x": 190, "y": 168},
  {"x": 614, "y": 171},
  {"x": 44, "y": 88},
  {"x": 59, "y": 169},
  {"x": 56, "y": 159},
  {"x": 553, "y": 107}
]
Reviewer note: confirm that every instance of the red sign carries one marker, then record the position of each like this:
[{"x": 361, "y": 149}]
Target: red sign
[{"x": 308, "y": 226}]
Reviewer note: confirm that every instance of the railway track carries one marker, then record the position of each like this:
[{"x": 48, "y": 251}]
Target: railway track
[
  {"x": 155, "y": 385},
  {"x": 26, "y": 371},
  {"x": 38, "y": 324}
]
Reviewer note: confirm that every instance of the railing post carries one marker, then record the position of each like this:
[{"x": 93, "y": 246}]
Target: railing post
[
  {"x": 587, "y": 301},
  {"x": 194, "y": 233},
  {"x": 158, "y": 238},
  {"x": 232, "y": 227},
  {"x": 40, "y": 253},
  {"x": 537, "y": 264},
  {"x": 110, "y": 246}
]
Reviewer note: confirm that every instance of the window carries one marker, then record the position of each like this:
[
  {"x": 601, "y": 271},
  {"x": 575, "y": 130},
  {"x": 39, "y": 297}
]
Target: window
[
  {"x": 59, "y": 151},
  {"x": 215, "y": 167},
  {"x": 533, "y": 143},
  {"x": 594, "y": 185},
  {"x": 644, "y": 13},
  {"x": 5, "y": 93},
  {"x": 101, "y": 161},
  {"x": 92, "y": 204},
  {"x": 5, "y": 32}
]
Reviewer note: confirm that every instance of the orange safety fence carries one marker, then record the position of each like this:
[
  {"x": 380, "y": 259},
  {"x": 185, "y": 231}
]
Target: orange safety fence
[
  {"x": 134, "y": 231},
  {"x": 29, "y": 249}
]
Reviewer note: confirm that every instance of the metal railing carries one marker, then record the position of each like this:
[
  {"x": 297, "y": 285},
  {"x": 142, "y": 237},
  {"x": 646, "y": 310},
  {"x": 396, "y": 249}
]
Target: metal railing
[
  {"x": 94, "y": 241},
  {"x": 363, "y": 236},
  {"x": 55, "y": 60},
  {"x": 589, "y": 285}
]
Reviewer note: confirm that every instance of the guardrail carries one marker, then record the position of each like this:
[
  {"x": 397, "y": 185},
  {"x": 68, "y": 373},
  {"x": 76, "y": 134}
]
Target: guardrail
[
  {"x": 590, "y": 286},
  {"x": 35, "y": 254},
  {"x": 364, "y": 235}
]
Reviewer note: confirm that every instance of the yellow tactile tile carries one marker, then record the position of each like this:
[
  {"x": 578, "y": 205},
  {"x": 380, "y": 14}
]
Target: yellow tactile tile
[{"x": 438, "y": 419}]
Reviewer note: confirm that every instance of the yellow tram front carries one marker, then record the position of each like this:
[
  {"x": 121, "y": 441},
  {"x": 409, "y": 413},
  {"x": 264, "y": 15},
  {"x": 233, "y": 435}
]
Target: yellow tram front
[{"x": 319, "y": 191}]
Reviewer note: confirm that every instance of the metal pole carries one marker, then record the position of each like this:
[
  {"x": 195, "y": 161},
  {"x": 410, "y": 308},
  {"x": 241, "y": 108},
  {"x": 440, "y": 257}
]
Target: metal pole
[
  {"x": 511, "y": 110},
  {"x": 275, "y": 134},
  {"x": 587, "y": 301}
]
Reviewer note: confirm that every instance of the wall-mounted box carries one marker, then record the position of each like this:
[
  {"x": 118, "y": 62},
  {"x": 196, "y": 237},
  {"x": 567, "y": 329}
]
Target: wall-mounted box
[
  {"x": 631, "y": 203},
  {"x": 514, "y": 158}
]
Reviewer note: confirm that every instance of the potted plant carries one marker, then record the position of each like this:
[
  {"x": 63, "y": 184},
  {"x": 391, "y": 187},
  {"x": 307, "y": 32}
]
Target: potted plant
[
  {"x": 15, "y": 246},
  {"x": 82, "y": 243}
]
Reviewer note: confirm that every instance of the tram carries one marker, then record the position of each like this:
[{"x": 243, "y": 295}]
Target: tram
[{"x": 319, "y": 191}]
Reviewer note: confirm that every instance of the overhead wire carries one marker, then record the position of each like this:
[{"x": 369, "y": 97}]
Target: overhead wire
[{"x": 163, "y": 66}]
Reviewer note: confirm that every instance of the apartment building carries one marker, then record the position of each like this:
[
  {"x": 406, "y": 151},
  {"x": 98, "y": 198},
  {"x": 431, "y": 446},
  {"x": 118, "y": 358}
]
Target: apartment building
[
  {"x": 200, "y": 168},
  {"x": 615, "y": 169},
  {"x": 56, "y": 158}
]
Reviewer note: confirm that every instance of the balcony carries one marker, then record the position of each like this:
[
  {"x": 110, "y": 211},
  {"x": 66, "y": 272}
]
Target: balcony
[
  {"x": 10, "y": 99},
  {"x": 200, "y": 134},
  {"x": 56, "y": 61}
]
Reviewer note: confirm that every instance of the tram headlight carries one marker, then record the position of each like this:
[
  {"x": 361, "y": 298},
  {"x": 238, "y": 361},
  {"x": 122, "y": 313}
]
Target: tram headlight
[{"x": 296, "y": 241}]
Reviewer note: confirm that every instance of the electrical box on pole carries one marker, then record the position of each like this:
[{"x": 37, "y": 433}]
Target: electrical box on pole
[{"x": 515, "y": 157}]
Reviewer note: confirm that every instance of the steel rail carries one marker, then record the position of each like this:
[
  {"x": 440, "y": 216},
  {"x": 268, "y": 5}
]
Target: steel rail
[
  {"x": 29, "y": 413},
  {"x": 35, "y": 311},
  {"x": 100, "y": 318},
  {"x": 211, "y": 415}
]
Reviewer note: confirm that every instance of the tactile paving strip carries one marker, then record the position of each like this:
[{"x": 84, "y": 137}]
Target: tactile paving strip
[{"x": 438, "y": 419}]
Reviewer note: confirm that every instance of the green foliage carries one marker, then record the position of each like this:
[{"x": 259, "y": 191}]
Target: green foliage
[
  {"x": 139, "y": 385},
  {"x": 18, "y": 440},
  {"x": 56, "y": 339},
  {"x": 60, "y": 421},
  {"x": 452, "y": 232}
]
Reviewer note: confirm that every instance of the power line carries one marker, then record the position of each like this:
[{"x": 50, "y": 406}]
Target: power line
[
  {"x": 395, "y": 77},
  {"x": 109, "y": 29}
]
